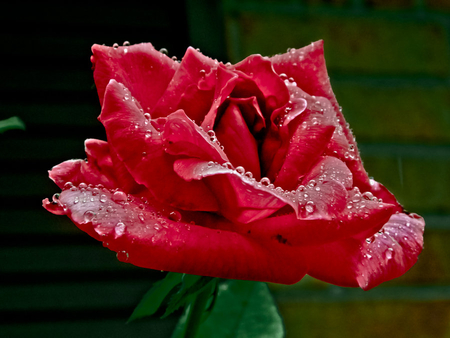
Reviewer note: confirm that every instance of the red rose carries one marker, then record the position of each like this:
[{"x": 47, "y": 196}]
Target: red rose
[{"x": 243, "y": 171}]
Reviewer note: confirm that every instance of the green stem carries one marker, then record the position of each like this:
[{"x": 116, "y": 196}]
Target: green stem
[{"x": 196, "y": 310}]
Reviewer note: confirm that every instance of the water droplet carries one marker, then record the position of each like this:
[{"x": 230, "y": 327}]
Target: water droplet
[
  {"x": 123, "y": 256},
  {"x": 103, "y": 198},
  {"x": 309, "y": 207},
  {"x": 367, "y": 195},
  {"x": 248, "y": 174},
  {"x": 141, "y": 216},
  {"x": 389, "y": 253},
  {"x": 175, "y": 216},
  {"x": 82, "y": 186},
  {"x": 356, "y": 198},
  {"x": 68, "y": 185},
  {"x": 265, "y": 181},
  {"x": 76, "y": 200},
  {"x": 164, "y": 51},
  {"x": 202, "y": 73},
  {"x": 116, "y": 45},
  {"x": 88, "y": 216},
  {"x": 55, "y": 198},
  {"x": 227, "y": 165},
  {"x": 240, "y": 170},
  {"x": 119, "y": 197},
  {"x": 119, "y": 229}
]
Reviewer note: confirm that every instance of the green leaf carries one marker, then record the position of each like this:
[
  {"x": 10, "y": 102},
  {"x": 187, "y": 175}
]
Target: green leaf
[
  {"x": 243, "y": 309},
  {"x": 190, "y": 287},
  {"x": 11, "y": 123},
  {"x": 153, "y": 299}
]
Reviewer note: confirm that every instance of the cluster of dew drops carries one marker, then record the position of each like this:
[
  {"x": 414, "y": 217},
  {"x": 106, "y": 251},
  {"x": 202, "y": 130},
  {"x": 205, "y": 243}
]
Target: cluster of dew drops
[{"x": 134, "y": 214}]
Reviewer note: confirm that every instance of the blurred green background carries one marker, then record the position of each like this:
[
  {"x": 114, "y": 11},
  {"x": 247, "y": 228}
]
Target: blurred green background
[{"x": 389, "y": 63}]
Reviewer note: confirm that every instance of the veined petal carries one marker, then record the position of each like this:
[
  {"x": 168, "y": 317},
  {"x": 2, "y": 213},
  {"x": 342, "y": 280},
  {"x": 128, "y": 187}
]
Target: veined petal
[
  {"x": 369, "y": 262},
  {"x": 155, "y": 236}
]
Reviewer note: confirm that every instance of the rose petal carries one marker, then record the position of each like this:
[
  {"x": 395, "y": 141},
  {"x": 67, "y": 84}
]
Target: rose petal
[
  {"x": 308, "y": 69},
  {"x": 306, "y": 145},
  {"x": 241, "y": 199},
  {"x": 140, "y": 67},
  {"x": 362, "y": 216},
  {"x": 138, "y": 144},
  {"x": 97, "y": 169},
  {"x": 330, "y": 169},
  {"x": 153, "y": 236},
  {"x": 183, "y": 137},
  {"x": 191, "y": 88},
  {"x": 259, "y": 70},
  {"x": 239, "y": 144},
  {"x": 367, "y": 263}
]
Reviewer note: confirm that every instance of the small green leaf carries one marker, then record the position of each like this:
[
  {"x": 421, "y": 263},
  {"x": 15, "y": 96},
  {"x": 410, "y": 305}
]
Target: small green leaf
[
  {"x": 153, "y": 299},
  {"x": 191, "y": 285},
  {"x": 11, "y": 123},
  {"x": 243, "y": 309}
]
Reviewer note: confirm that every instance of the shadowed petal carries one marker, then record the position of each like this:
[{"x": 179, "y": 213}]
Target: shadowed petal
[{"x": 239, "y": 143}]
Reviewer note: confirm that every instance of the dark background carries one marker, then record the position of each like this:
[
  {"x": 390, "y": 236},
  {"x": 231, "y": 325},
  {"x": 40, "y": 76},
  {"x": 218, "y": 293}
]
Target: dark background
[{"x": 389, "y": 63}]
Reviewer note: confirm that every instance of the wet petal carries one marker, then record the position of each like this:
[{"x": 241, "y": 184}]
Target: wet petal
[
  {"x": 259, "y": 70},
  {"x": 139, "y": 145},
  {"x": 369, "y": 262},
  {"x": 307, "y": 67},
  {"x": 238, "y": 142},
  {"x": 191, "y": 88},
  {"x": 97, "y": 169},
  {"x": 183, "y": 137},
  {"x": 158, "y": 237},
  {"x": 306, "y": 146},
  {"x": 241, "y": 198},
  {"x": 320, "y": 221},
  {"x": 140, "y": 67}
]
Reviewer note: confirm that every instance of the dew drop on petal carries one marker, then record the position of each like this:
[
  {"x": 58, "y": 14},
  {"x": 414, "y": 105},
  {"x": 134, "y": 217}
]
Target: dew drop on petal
[
  {"x": 88, "y": 216},
  {"x": 175, "y": 216},
  {"x": 119, "y": 229},
  {"x": 55, "y": 198},
  {"x": 68, "y": 185},
  {"x": 265, "y": 181},
  {"x": 103, "y": 198},
  {"x": 309, "y": 207},
  {"x": 123, "y": 256},
  {"x": 227, "y": 165},
  {"x": 240, "y": 170},
  {"x": 119, "y": 197}
]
